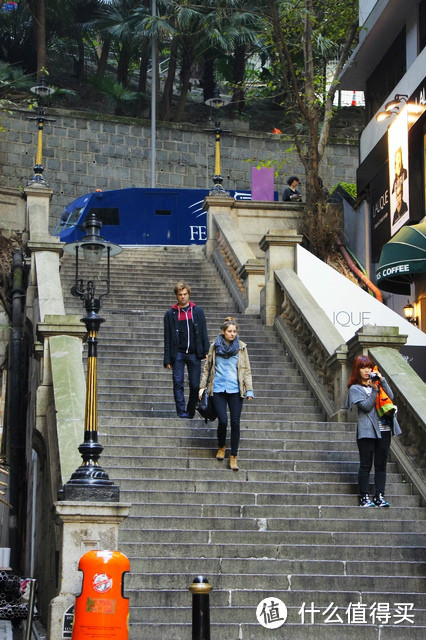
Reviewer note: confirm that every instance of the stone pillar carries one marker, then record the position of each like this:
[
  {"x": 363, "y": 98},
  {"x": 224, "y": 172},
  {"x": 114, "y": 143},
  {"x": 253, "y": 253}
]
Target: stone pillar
[
  {"x": 38, "y": 198},
  {"x": 370, "y": 336},
  {"x": 214, "y": 205},
  {"x": 83, "y": 526},
  {"x": 253, "y": 274},
  {"x": 45, "y": 284},
  {"x": 279, "y": 248},
  {"x": 61, "y": 393}
]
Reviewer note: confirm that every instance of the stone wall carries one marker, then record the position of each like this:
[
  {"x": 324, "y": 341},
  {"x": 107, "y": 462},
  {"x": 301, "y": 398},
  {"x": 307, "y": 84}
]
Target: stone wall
[{"x": 83, "y": 152}]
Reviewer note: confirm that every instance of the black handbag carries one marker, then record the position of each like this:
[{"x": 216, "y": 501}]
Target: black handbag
[{"x": 206, "y": 408}]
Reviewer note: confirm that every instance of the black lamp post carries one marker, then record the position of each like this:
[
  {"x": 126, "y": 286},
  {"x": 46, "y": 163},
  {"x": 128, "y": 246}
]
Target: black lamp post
[
  {"x": 42, "y": 91},
  {"x": 90, "y": 481},
  {"x": 217, "y": 102}
]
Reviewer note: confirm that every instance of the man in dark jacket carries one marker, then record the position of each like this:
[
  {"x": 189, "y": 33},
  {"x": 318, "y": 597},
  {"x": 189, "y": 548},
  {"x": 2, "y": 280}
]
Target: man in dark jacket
[{"x": 185, "y": 343}]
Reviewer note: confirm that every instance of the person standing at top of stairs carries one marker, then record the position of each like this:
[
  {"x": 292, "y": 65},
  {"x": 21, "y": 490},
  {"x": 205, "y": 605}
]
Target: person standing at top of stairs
[{"x": 186, "y": 342}]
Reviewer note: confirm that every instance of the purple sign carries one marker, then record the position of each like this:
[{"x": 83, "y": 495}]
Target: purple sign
[{"x": 262, "y": 183}]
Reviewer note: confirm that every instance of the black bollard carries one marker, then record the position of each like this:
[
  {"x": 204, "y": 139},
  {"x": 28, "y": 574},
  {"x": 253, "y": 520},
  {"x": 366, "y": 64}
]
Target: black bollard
[{"x": 200, "y": 589}]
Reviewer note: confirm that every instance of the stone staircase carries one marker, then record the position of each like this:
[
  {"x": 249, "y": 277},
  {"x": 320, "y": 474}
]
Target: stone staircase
[{"x": 286, "y": 526}]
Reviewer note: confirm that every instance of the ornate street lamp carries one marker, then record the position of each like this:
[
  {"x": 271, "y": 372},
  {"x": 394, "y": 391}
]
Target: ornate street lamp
[
  {"x": 409, "y": 313},
  {"x": 90, "y": 481},
  {"x": 42, "y": 91},
  {"x": 217, "y": 102}
]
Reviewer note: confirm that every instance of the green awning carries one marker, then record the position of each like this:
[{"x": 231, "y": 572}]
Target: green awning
[{"x": 402, "y": 257}]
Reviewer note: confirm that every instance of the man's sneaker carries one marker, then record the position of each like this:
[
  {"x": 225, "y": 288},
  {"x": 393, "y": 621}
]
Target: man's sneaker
[
  {"x": 365, "y": 501},
  {"x": 380, "y": 501}
]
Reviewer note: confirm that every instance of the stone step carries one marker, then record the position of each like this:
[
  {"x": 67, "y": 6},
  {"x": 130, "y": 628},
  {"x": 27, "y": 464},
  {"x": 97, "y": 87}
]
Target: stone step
[
  {"x": 397, "y": 541},
  {"x": 295, "y": 552},
  {"x": 362, "y": 524},
  {"x": 198, "y": 458},
  {"x": 340, "y": 492},
  {"x": 139, "y": 395},
  {"x": 296, "y": 581},
  {"x": 277, "y": 436},
  {"x": 225, "y": 566},
  {"x": 296, "y": 511},
  {"x": 179, "y": 597},
  {"x": 295, "y": 631},
  {"x": 150, "y": 411},
  {"x": 260, "y": 471},
  {"x": 245, "y": 613},
  {"x": 207, "y": 445}
]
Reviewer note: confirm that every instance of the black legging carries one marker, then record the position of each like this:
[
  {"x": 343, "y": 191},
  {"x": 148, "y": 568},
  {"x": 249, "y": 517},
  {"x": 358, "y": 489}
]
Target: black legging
[
  {"x": 234, "y": 401},
  {"x": 376, "y": 449}
]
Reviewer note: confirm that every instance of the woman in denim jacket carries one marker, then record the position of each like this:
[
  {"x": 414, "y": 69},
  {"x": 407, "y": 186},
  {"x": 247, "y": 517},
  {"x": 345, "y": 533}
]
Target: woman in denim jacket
[{"x": 227, "y": 376}]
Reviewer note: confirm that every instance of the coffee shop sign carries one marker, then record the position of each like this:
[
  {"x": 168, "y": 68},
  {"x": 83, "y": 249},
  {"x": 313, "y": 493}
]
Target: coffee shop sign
[{"x": 348, "y": 319}]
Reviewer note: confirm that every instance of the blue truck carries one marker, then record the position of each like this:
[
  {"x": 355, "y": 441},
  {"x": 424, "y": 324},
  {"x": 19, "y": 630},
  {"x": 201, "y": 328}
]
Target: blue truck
[{"x": 141, "y": 216}]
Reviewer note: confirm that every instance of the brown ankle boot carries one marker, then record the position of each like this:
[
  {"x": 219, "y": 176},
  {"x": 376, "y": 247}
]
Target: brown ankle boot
[
  {"x": 233, "y": 463},
  {"x": 221, "y": 453}
]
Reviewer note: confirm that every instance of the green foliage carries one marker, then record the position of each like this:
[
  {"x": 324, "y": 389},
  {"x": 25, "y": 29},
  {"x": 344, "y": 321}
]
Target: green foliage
[
  {"x": 349, "y": 187},
  {"x": 13, "y": 78},
  {"x": 114, "y": 91}
]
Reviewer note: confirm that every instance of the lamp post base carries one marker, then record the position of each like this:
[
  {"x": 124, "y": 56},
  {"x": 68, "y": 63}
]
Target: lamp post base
[
  {"x": 90, "y": 482},
  {"x": 218, "y": 189},
  {"x": 89, "y": 493}
]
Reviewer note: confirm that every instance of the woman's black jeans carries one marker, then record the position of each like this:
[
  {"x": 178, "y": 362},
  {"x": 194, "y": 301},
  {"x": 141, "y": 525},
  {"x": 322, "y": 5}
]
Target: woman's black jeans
[
  {"x": 377, "y": 450},
  {"x": 234, "y": 401}
]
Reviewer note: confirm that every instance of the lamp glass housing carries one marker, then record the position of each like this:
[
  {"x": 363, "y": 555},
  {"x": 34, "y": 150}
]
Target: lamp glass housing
[
  {"x": 409, "y": 311},
  {"x": 93, "y": 252}
]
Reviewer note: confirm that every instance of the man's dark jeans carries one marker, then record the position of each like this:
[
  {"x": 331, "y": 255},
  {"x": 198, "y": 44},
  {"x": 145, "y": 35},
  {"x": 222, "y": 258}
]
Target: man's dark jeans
[{"x": 193, "y": 365}]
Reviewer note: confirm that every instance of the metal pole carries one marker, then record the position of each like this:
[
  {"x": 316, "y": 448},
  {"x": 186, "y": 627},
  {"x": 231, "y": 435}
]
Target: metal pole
[
  {"x": 200, "y": 589},
  {"x": 31, "y": 599},
  {"x": 16, "y": 419},
  {"x": 153, "y": 96}
]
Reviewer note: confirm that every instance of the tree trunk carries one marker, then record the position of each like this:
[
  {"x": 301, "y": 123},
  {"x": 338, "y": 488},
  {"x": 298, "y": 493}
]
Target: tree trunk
[
  {"x": 38, "y": 13},
  {"x": 208, "y": 81},
  {"x": 238, "y": 73},
  {"x": 185, "y": 77},
  {"x": 103, "y": 58},
  {"x": 166, "y": 102},
  {"x": 143, "y": 68}
]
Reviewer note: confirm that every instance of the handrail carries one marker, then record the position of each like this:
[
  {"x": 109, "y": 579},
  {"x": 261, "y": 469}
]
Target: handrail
[{"x": 325, "y": 362}]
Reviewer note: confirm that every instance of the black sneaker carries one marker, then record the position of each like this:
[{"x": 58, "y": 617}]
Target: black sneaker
[
  {"x": 365, "y": 501},
  {"x": 380, "y": 501}
]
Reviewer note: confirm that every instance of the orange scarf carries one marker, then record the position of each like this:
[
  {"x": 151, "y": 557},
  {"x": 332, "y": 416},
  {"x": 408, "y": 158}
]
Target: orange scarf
[{"x": 384, "y": 404}]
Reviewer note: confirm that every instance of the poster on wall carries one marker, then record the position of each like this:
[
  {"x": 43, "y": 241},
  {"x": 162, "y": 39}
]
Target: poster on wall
[
  {"x": 379, "y": 212},
  {"x": 398, "y": 171}
]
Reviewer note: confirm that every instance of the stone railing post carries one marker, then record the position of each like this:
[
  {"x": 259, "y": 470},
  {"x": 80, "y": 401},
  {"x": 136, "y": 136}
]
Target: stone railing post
[
  {"x": 370, "y": 336},
  {"x": 84, "y": 526},
  {"x": 46, "y": 250},
  {"x": 212, "y": 206},
  {"x": 253, "y": 275},
  {"x": 280, "y": 252},
  {"x": 61, "y": 393}
]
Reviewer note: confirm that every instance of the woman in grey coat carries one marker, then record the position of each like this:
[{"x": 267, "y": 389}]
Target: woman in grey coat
[{"x": 373, "y": 432}]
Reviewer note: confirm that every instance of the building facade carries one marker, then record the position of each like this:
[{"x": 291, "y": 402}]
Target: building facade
[{"x": 389, "y": 65}]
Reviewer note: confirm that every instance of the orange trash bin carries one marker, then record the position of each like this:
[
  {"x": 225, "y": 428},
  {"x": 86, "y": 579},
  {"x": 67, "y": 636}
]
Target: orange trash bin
[{"x": 101, "y": 610}]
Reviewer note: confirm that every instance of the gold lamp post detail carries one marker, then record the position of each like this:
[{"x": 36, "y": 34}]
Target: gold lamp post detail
[
  {"x": 90, "y": 481},
  {"x": 42, "y": 91},
  {"x": 217, "y": 102}
]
